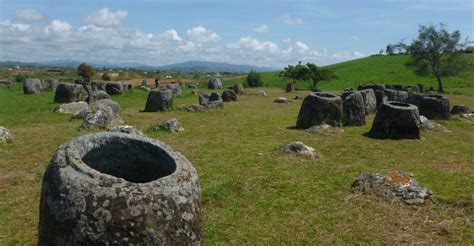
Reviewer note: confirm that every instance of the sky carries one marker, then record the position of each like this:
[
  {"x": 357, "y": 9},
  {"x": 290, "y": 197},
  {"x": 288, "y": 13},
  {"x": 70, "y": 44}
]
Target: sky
[{"x": 263, "y": 33}]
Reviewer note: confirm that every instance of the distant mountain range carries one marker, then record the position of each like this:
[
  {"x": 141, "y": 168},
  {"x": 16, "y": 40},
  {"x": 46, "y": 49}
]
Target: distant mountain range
[{"x": 189, "y": 66}]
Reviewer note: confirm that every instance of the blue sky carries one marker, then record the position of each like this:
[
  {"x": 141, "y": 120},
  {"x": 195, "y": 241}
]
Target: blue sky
[{"x": 267, "y": 33}]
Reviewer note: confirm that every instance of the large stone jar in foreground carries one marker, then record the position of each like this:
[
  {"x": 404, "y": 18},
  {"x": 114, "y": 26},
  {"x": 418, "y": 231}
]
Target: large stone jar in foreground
[
  {"x": 320, "y": 108},
  {"x": 396, "y": 120},
  {"x": 117, "y": 188}
]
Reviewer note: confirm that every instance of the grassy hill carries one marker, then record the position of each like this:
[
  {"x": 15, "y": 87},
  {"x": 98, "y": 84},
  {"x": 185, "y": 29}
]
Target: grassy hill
[{"x": 380, "y": 69}]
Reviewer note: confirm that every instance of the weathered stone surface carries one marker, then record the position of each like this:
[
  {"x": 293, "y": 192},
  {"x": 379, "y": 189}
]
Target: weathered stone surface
[
  {"x": 394, "y": 87},
  {"x": 414, "y": 98},
  {"x": 66, "y": 93},
  {"x": 345, "y": 94},
  {"x": 117, "y": 88},
  {"x": 98, "y": 85},
  {"x": 290, "y": 87},
  {"x": 5, "y": 135},
  {"x": 431, "y": 126},
  {"x": 171, "y": 125},
  {"x": 396, "y": 95},
  {"x": 32, "y": 86},
  {"x": 239, "y": 89},
  {"x": 460, "y": 109},
  {"x": 393, "y": 185},
  {"x": 324, "y": 128},
  {"x": 298, "y": 148},
  {"x": 112, "y": 104},
  {"x": 396, "y": 120},
  {"x": 281, "y": 100},
  {"x": 159, "y": 100},
  {"x": 101, "y": 116},
  {"x": 319, "y": 108},
  {"x": 261, "y": 93},
  {"x": 97, "y": 95},
  {"x": 374, "y": 87},
  {"x": 380, "y": 97},
  {"x": 6, "y": 81},
  {"x": 214, "y": 84},
  {"x": 214, "y": 101},
  {"x": 71, "y": 108},
  {"x": 229, "y": 95},
  {"x": 175, "y": 88},
  {"x": 125, "y": 129},
  {"x": 435, "y": 107},
  {"x": 115, "y": 188},
  {"x": 370, "y": 101},
  {"x": 354, "y": 109},
  {"x": 192, "y": 107},
  {"x": 50, "y": 84}
]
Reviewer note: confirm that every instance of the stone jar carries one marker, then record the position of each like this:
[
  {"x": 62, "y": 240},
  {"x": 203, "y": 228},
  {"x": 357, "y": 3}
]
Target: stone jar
[
  {"x": 114, "y": 188},
  {"x": 396, "y": 120},
  {"x": 319, "y": 108},
  {"x": 159, "y": 100},
  {"x": 435, "y": 107}
]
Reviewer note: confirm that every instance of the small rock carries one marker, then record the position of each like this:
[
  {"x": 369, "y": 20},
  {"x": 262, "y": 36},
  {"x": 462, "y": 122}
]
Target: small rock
[
  {"x": 297, "y": 98},
  {"x": 428, "y": 125},
  {"x": 393, "y": 185},
  {"x": 323, "y": 128},
  {"x": 171, "y": 125},
  {"x": 125, "y": 129},
  {"x": 229, "y": 95},
  {"x": 5, "y": 135},
  {"x": 460, "y": 109},
  {"x": 261, "y": 93},
  {"x": 239, "y": 89},
  {"x": 281, "y": 100},
  {"x": 192, "y": 107},
  {"x": 299, "y": 148},
  {"x": 71, "y": 108}
]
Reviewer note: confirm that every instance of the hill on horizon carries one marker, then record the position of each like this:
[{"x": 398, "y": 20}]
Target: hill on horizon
[
  {"x": 189, "y": 66},
  {"x": 377, "y": 69}
]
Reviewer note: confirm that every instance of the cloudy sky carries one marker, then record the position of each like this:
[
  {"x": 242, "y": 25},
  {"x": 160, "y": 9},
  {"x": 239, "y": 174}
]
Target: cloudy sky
[{"x": 266, "y": 33}]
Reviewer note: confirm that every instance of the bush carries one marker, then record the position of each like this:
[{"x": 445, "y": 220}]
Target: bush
[
  {"x": 254, "y": 79},
  {"x": 20, "y": 78}
]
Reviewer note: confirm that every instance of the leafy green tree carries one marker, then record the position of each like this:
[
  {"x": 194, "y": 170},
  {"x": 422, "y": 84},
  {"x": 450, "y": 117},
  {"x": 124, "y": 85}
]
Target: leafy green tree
[
  {"x": 437, "y": 52},
  {"x": 294, "y": 73},
  {"x": 316, "y": 74},
  {"x": 85, "y": 71},
  {"x": 254, "y": 79}
]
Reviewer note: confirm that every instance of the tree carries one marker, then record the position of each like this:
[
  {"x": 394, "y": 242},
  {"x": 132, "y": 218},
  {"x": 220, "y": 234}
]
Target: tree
[
  {"x": 317, "y": 74},
  {"x": 437, "y": 52},
  {"x": 106, "y": 77},
  {"x": 254, "y": 79},
  {"x": 293, "y": 74},
  {"x": 85, "y": 71}
]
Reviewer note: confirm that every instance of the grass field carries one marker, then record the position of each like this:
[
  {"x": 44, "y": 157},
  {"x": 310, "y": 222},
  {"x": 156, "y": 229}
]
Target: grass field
[
  {"x": 251, "y": 194},
  {"x": 380, "y": 69}
]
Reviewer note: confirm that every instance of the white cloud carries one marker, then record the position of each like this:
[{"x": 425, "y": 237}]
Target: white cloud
[
  {"x": 58, "y": 26},
  {"x": 261, "y": 29},
  {"x": 289, "y": 20},
  {"x": 200, "y": 34},
  {"x": 29, "y": 15},
  {"x": 94, "y": 42},
  {"x": 15, "y": 26},
  {"x": 302, "y": 47},
  {"x": 106, "y": 18}
]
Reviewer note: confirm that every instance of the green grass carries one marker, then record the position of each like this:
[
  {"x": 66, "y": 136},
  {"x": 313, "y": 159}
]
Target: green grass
[
  {"x": 251, "y": 194},
  {"x": 378, "y": 69}
]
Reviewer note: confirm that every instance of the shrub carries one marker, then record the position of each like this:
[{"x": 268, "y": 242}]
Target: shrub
[{"x": 254, "y": 79}]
